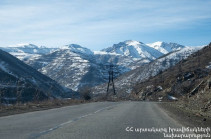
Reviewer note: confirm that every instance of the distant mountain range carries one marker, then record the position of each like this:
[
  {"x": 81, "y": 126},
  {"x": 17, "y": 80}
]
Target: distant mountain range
[
  {"x": 25, "y": 51},
  {"x": 74, "y": 66},
  {"x": 166, "y": 48},
  {"x": 134, "y": 49},
  {"x": 126, "y": 82}
]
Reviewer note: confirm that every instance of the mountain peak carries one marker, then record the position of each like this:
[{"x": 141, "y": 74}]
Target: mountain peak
[
  {"x": 134, "y": 49},
  {"x": 158, "y": 43},
  {"x": 132, "y": 42},
  {"x": 77, "y": 49},
  {"x": 71, "y": 46},
  {"x": 25, "y": 45},
  {"x": 165, "y": 47}
]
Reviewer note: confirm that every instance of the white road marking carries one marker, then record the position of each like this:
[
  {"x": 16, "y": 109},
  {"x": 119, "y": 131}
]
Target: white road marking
[{"x": 68, "y": 122}]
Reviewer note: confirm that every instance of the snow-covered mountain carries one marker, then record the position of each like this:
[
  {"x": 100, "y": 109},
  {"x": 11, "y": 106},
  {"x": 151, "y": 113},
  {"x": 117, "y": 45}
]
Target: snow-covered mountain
[
  {"x": 117, "y": 59},
  {"x": 165, "y": 48},
  {"x": 140, "y": 50},
  {"x": 75, "y": 48},
  {"x": 188, "y": 81},
  {"x": 134, "y": 49},
  {"x": 25, "y": 51},
  {"x": 20, "y": 81},
  {"x": 74, "y": 66},
  {"x": 127, "y": 81}
]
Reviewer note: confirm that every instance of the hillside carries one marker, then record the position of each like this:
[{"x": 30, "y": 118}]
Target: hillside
[
  {"x": 72, "y": 66},
  {"x": 125, "y": 83},
  {"x": 20, "y": 82},
  {"x": 165, "y": 47},
  {"x": 190, "y": 71},
  {"x": 134, "y": 49},
  {"x": 75, "y": 67},
  {"x": 189, "y": 82}
]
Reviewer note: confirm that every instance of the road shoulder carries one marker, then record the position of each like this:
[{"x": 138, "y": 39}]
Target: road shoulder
[{"x": 187, "y": 118}]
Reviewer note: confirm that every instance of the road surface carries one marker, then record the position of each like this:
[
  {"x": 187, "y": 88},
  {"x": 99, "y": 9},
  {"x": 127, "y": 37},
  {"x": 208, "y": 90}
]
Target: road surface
[{"x": 100, "y": 120}]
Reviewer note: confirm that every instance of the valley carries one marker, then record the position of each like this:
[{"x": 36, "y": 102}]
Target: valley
[
  {"x": 105, "y": 69},
  {"x": 175, "y": 78}
]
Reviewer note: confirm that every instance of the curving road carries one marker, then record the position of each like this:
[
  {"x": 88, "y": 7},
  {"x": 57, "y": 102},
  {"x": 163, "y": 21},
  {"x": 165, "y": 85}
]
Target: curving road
[{"x": 100, "y": 120}]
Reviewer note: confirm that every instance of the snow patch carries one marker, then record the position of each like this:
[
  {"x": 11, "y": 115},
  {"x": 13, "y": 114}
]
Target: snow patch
[
  {"x": 104, "y": 53},
  {"x": 172, "y": 97},
  {"x": 132, "y": 43},
  {"x": 209, "y": 66},
  {"x": 77, "y": 49},
  {"x": 3, "y": 66},
  {"x": 158, "y": 43}
]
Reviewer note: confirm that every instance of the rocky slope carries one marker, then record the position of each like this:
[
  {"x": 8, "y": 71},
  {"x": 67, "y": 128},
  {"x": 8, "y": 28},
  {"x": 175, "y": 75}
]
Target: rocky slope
[
  {"x": 134, "y": 49},
  {"x": 72, "y": 66},
  {"x": 125, "y": 83},
  {"x": 20, "y": 82},
  {"x": 165, "y": 47},
  {"x": 187, "y": 78},
  {"x": 188, "y": 82},
  {"x": 75, "y": 67}
]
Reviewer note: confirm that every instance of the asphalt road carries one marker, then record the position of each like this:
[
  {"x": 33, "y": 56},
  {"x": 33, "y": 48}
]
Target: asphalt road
[{"x": 100, "y": 120}]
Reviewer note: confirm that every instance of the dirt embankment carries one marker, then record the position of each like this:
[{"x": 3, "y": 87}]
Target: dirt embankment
[{"x": 186, "y": 116}]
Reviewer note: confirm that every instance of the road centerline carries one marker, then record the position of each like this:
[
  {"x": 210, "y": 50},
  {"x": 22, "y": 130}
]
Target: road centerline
[{"x": 34, "y": 136}]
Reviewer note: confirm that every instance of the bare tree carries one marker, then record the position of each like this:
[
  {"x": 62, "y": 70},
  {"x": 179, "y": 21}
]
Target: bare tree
[
  {"x": 37, "y": 95},
  {"x": 19, "y": 91},
  {"x": 49, "y": 92},
  {"x": 1, "y": 96},
  {"x": 85, "y": 93}
]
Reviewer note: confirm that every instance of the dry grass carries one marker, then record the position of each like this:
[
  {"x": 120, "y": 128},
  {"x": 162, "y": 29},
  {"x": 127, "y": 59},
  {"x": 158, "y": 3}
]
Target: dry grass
[
  {"x": 195, "y": 65},
  {"x": 37, "y": 106},
  {"x": 193, "y": 91}
]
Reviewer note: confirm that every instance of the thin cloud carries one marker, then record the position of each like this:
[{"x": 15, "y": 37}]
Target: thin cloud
[{"x": 95, "y": 22}]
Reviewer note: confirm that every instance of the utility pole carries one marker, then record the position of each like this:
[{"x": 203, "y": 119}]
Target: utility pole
[{"x": 111, "y": 79}]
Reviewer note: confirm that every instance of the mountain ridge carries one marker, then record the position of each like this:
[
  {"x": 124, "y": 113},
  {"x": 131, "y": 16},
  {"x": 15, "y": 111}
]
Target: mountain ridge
[
  {"x": 134, "y": 49},
  {"x": 18, "y": 77},
  {"x": 63, "y": 64},
  {"x": 127, "y": 81}
]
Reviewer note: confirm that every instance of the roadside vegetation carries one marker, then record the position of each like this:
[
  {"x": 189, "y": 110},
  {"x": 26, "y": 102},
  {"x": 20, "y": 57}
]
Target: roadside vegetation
[{"x": 10, "y": 109}]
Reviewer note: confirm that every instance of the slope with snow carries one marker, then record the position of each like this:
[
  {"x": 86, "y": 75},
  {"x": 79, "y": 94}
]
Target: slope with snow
[
  {"x": 188, "y": 82},
  {"x": 75, "y": 67},
  {"x": 165, "y": 48},
  {"x": 72, "y": 66},
  {"x": 20, "y": 80},
  {"x": 124, "y": 84},
  {"x": 26, "y": 51},
  {"x": 127, "y": 62},
  {"x": 134, "y": 49}
]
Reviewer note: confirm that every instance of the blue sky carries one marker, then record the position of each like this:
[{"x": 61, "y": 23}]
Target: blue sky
[{"x": 97, "y": 24}]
